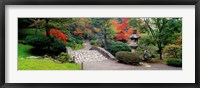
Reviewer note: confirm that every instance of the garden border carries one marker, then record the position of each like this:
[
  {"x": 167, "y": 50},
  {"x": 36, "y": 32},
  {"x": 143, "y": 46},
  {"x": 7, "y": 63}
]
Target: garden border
[{"x": 98, "y": 2}]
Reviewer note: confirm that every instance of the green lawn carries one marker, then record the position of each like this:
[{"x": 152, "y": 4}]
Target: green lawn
[{"x": 40, "y": 64}]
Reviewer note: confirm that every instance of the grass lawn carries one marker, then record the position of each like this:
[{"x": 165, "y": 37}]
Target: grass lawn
[{"x": 41, "y": 64}]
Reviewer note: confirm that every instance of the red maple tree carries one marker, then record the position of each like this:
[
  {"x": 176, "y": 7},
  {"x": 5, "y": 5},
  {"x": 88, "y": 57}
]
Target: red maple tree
[
  {"x": 58, "y": 34},
  {"x": 123, "y": 29}
]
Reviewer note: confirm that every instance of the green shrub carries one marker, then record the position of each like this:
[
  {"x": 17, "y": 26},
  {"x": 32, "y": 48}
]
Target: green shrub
[
  {"x": 174, "y": 50},
  {"x": 57, "y": 47},
  {"x": 146, "y": 39},
  {"x": 96, "y": 43},
  {"x": 77, "y": 47},
  {"x": 79, "y": 41},
  {"x": 64, "y": 57},
  {"x": 74, "y": 46},
  {"x": 127, "y": 57},
  {"x": 114, "y": 47},
  {"x": 38, "y": 41},
  {"x": 92, "y": 42},
  {"x": 174, "y": 62},
  {"x": 123, "y": 40},
  {"x": 147, "y": 53},
  {"x": 23, "y": 33},
  {"x": 69, "y": 44},
  {"x": 71, "y": 39},
  {"x": 79, "y": 37},
  {"x": 74, "y": 40},
  {"x": 43, "y": 44},
  {"x": 92, "y": 38}
]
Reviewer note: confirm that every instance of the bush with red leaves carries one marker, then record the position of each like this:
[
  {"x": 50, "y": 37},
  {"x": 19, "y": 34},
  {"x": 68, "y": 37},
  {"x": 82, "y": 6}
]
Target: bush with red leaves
[{"x": 58, "y": 34}]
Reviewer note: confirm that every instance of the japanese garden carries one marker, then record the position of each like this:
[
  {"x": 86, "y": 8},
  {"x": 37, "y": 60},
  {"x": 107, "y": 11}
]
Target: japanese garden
[{"x": 99, "y": 43}]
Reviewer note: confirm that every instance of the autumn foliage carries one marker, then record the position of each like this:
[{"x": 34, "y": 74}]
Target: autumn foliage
[
  {"x": 58, "y": 34},
  {"x": 78, "y": 32},
  {"x": 123, "y": 29}
]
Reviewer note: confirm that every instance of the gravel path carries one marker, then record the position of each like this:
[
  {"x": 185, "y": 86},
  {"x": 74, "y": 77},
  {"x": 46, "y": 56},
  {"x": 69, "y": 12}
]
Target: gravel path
[{"x": 93, "y": 60}]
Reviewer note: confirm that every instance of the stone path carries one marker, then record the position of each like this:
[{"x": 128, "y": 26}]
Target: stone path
[
  {"x": 87, "y": 56},
  {"x": 93, "y": 60}
]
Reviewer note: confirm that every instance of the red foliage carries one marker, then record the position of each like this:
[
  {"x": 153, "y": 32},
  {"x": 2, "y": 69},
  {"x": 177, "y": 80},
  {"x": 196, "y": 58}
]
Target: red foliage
[
  {"x": 123, "y": 29},
  {"x": 58, "y": 34}
]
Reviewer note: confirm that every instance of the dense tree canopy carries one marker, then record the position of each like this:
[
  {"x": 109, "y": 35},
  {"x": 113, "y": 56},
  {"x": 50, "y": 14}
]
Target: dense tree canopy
[{"x": 164, "y": 31}]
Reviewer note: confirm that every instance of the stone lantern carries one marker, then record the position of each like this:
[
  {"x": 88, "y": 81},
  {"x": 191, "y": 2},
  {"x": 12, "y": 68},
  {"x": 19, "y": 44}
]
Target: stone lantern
[{"x": 134, "y": 38}]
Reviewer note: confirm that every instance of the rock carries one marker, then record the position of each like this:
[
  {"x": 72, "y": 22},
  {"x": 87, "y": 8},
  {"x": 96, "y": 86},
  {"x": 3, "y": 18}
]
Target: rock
[{"x": 68, "y": 49}]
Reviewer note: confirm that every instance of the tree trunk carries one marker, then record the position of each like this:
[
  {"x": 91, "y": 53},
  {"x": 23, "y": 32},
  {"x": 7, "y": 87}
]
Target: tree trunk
[
  {"x": 106, "y": 42},
  {"x": 160, "y": 52},
  {"x": 105, "y": 38},
  {"x": 160, "y": 55},
  {"x": 47, "y": 28}
]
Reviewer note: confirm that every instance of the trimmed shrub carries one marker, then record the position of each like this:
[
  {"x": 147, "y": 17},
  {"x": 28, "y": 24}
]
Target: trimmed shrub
[
  {"x": 114, "y": 47},
  {"x": 64, "y": 57},
  {"x": 174, "y": 50},
  {"x": 57, "y": 47},
  {"x": 174, "y": 62},
  {"x": 127, "y": 57},
  {"x": 38, "y": 41},
  {"x": 44, "y": 45}
]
